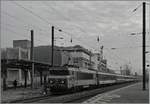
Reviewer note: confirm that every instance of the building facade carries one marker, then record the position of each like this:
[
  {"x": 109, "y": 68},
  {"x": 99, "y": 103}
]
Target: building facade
[
  {"x": 60, "y": 58},
  {"x": 103, "y": 65},
  {"x": 20, "y": 51},
  {"x": 96, "y": 60},
  {"x": 81, "y": 56},
  {"x": 74, "y": 55}
]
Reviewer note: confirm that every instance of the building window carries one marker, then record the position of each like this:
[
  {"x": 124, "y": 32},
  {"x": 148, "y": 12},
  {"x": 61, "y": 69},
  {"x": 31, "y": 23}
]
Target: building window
[
  {"x": 75, "y": 60},
  {"x": 98, "y": 58}
]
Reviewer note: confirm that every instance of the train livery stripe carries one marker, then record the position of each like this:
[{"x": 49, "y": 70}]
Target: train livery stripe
[
  {"x": 107, "y": 81},
  {"x": 84, "y": 82}
]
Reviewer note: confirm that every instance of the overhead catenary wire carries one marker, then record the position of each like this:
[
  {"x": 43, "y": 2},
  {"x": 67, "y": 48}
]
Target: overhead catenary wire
[
  {"x": 37, "y": 15},
  {"x": 120, "y": 63},
  {"x": 14, "y": 26},
  {"x": 58, "y": 13},
  {"x": 47, "y": 22},
  {"x": 63, "y": 31},
  {"x": 10, "y": 30},
  {"x": 20, "y": 34},
  {"x": 21, "y": 21},
  {"x": 132, "y": 47},
  {"x": 116, "y": 56},
  {"x": 113, "y": 56},
  {"x": 73, "y": 37},
  {"x": 61, "y": 15},
  {"x": 137, "y": 8},
  {"x": 33, "y": 13}
]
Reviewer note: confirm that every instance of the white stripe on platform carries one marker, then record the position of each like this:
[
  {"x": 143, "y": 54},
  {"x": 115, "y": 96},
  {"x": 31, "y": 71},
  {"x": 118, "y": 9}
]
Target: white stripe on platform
[{"x": 100, "y": 98}]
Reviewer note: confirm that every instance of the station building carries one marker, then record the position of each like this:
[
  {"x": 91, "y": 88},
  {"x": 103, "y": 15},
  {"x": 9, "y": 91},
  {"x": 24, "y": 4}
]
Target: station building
[
  {"x": 20, "y": 50},
  {"x": 60, "y": 58},
  {"x": 73, "y": 55},
  {"x": 97, "y": 61},
  {"x": 81, "y": 56}
]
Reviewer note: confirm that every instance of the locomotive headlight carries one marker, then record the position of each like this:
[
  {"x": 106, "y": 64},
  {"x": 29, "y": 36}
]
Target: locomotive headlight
[
  {"x": 62, "y": 81},
  {"x": 51, "y": 81}
]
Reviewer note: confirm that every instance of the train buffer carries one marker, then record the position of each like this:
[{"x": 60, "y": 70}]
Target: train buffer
[{"x": 129, "y": 94}]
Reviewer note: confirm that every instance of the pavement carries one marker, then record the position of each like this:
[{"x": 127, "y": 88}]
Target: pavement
[
  {"x": 11, "y": 95},
  {"x": 129, "y": 94}
]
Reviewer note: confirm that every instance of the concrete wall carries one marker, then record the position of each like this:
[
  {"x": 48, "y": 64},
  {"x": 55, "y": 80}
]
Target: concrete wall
[
  {"x": 43, "y": 54},
  {"x": 17, "y": 53},
  {"x": 26, "y": 44}
]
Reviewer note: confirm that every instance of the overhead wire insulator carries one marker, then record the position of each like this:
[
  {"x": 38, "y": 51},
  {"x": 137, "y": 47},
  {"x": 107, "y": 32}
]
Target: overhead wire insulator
[
  {"x": 98, "y": 39},
  {"x": 134, "y": 9},
  {"x": 71, "y": 40},
  {"x": 102, "y": 47}
]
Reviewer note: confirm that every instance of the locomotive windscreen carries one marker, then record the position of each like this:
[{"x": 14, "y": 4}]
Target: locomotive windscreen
[{"x": 59, "y": 72}]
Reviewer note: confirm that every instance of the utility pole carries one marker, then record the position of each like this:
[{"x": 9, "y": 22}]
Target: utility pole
[
  {"x": 32, "y": 58},
  {"x": 144, "y": 43},
  {"x": 52, "y": 55},
  {"x": 4, "y": 71}
]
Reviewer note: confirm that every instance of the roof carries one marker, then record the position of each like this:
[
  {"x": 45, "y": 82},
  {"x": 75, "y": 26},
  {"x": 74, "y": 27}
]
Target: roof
[
  {"x": 77, "y": 48},
  {"x": 22, "y": 40}
]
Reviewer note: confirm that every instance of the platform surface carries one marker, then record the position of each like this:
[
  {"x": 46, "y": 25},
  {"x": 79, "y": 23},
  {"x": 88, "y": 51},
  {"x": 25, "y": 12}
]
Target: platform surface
[
  {"x": 129, "y": 94},
  {"x": 19, "y": 93}
]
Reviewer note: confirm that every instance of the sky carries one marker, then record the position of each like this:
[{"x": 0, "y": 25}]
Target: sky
[{"x": 83, "y": 22}]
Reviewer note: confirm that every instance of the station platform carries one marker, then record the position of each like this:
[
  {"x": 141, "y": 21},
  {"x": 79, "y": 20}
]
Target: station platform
[
  {"x": 129, "y": 94},
  {"x": 11, "y": 95}
]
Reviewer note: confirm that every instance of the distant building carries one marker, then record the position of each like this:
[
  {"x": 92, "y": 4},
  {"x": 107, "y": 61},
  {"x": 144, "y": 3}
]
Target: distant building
[
  {"x": 43, "y": 54},
  {"x": 111, "y": 71},
  {"x": 81, "y": 56},
  {"x": 125, "y": 70},
  {"x": 103, "y": 66},
  {"x": 136, "y": 74},
  {"x": 96, "y": 60}
]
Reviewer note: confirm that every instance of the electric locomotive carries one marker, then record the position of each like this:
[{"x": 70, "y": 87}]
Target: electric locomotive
[{"x": 70, "y": 78}]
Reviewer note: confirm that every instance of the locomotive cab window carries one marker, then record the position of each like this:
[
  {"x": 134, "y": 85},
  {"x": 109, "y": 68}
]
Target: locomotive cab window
[
  {"x": 84, "y": 76},
  {"x": 59, "y": 72}
]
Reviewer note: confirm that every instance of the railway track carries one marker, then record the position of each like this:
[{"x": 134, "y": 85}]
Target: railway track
[{"x": 77, "y": 97}]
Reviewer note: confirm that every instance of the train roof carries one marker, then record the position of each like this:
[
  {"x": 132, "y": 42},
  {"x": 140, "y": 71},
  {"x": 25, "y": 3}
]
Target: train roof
[
  {"x": 115, "y": 74},
  {"x": 72, "y": 68}
]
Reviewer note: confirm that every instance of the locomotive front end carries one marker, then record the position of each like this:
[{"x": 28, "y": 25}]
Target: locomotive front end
[
  {"x": 58, "y": 83},
  {"x": 58, "y": 80}
]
